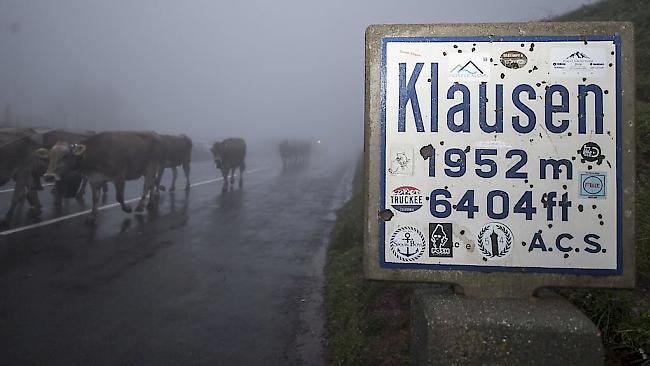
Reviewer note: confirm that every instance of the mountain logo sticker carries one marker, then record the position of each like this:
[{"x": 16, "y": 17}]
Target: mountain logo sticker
[
  {"x": 469, "y": 67},
  {"x": 578, "y": 62}
]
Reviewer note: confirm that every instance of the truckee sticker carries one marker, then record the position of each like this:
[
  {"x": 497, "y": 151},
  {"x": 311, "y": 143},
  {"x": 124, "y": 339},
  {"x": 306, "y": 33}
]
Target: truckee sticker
[{"x": 406, "y": 199}]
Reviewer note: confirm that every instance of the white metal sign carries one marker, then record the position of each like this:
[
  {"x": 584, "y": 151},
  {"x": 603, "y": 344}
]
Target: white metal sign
[{"x": 501, "y": 154}]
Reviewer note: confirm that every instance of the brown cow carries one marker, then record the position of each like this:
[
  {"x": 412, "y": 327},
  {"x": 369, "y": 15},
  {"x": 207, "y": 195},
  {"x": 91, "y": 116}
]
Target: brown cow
[
  {"x": 51, "y": 137},
  {"x": 229, "y": 155},
  {"x": 72, "y": 184},
  {"x": 176, "y": 150},
  {"x": 110, "y": 156},
  {"x": 18, "y": 161}
]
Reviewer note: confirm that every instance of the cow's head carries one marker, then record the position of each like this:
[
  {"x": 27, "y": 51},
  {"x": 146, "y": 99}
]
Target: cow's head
[
  {"x": 216, "y": 154},
  {"x": 62, "y": 158}
]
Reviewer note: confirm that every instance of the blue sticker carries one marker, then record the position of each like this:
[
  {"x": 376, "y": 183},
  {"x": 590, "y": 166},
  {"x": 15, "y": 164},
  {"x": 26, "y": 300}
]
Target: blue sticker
[{"x": 593, "y": 185}]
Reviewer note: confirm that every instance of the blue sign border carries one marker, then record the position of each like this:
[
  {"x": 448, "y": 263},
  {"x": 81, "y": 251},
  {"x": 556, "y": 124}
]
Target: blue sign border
[{"x": 619, "y": 192}]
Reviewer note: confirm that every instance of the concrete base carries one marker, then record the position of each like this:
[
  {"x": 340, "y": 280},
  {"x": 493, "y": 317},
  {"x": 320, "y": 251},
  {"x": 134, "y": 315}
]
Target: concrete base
[{"x": 448, "y": 329}]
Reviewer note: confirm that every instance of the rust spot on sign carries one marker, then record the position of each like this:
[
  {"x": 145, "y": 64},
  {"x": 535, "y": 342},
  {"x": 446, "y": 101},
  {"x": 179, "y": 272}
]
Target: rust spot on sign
[
  {"x": 386, "y": 214},
  {"x": 426, "y": 151}
]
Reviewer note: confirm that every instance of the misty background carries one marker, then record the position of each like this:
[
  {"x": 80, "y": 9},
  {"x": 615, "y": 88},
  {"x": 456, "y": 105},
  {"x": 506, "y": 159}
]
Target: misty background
[{"x": 259, "y": 69}]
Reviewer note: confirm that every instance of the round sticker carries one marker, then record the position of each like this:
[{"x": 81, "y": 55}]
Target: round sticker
[
  {"x": 406, "y": 199},
  {"x": 495, "y": 240},
  {"x": 513, "y": 59},
  {"x": 590, "y": 151},
  {"x": 593, "y": 185},
  {"x": 407, "y": 243}
]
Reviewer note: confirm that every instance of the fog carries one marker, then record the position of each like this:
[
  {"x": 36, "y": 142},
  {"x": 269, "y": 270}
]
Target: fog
[{"x": 263, "y": 70}]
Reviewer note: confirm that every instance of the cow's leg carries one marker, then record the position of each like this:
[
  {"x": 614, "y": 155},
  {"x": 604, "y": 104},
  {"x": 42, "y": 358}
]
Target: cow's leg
[
  {"x": 143, "y": 197},
  {"x": 32, "y": 197},
  {"x": 186, "y": 170},
  {"x": 94, "y": 189},
  {"x": 160, "y": 187},
  {"x": 58, "y": 193},
  {"x": 37, "y": 180},
  {"x": 103, "y": 190},
  {"x": 224, "y": 173},
  {"x": 174, "y": 175},
  {"x": 150, "y": 175},
  {"x": 241, "y": 174},
  {"x": 147, "y": 188},
  {"x": 17, "y": 198},
  {"x": 32, "y": 186},
  {"x": 119, "y": 194},
  {"x": 232, "y": 176},
  {"x": 82, "y": 188},
  {"x": 153, "y": 193}
]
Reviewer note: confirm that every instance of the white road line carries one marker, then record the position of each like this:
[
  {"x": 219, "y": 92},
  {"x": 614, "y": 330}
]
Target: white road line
[
  {"x": 76, "y": 214},
  {"x": 11, "y": 189}
]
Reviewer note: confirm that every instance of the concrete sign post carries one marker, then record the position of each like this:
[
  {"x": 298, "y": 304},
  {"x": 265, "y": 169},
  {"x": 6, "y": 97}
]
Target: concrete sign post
[
  {"x": 505, "y": 149},
  {"x": 500, "y": 157}
]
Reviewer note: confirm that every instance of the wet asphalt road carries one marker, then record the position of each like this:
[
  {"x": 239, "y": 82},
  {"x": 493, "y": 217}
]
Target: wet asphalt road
[{"x": 205, "y": 279}]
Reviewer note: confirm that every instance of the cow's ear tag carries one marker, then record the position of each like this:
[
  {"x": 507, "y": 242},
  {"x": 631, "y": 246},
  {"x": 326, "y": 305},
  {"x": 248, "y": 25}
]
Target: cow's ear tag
[
  {"x": 78, "y": 149},
  {"x": 42, "y": 153}
]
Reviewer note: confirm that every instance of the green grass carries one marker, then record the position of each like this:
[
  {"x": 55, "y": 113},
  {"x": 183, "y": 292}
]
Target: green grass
[
  {"x": 623, "y": 318},
  {"x": 643, "y": 191},
  {"x": 366, "y": 321}
]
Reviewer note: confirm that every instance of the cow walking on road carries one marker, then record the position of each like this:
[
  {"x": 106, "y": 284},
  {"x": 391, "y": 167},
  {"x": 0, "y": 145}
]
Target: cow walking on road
[
  {"x": 19, "y": 161},
  {"x": 294, "y": 153},
  {"x": 176, "y": 150},
  {"x": 229, "y": 155},
  {"x": 110, "y": 156},
  {"x": 73, "y": 183}
]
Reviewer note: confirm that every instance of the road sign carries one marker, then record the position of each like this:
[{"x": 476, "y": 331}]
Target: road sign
[{"x": 500, "y": 148}]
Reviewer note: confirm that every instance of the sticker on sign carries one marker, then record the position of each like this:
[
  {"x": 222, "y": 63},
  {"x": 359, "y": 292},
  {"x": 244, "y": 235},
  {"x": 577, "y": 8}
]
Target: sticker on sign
[{"x": 523, "y": 167}]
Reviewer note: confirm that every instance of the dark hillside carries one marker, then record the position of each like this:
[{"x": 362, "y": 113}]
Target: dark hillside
[{"x": 636, "y": 11}]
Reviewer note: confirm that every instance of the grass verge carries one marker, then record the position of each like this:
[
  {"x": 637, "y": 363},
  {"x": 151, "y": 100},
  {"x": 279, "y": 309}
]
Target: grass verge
[
  {"x": 367, "y": 322},
  {"x": 623, "y": 316}
]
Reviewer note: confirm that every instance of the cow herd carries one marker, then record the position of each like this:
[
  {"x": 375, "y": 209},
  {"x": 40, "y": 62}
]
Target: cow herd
[
  {"x": 73, "y": 159},
  {"x": 294, "y": 153}
]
